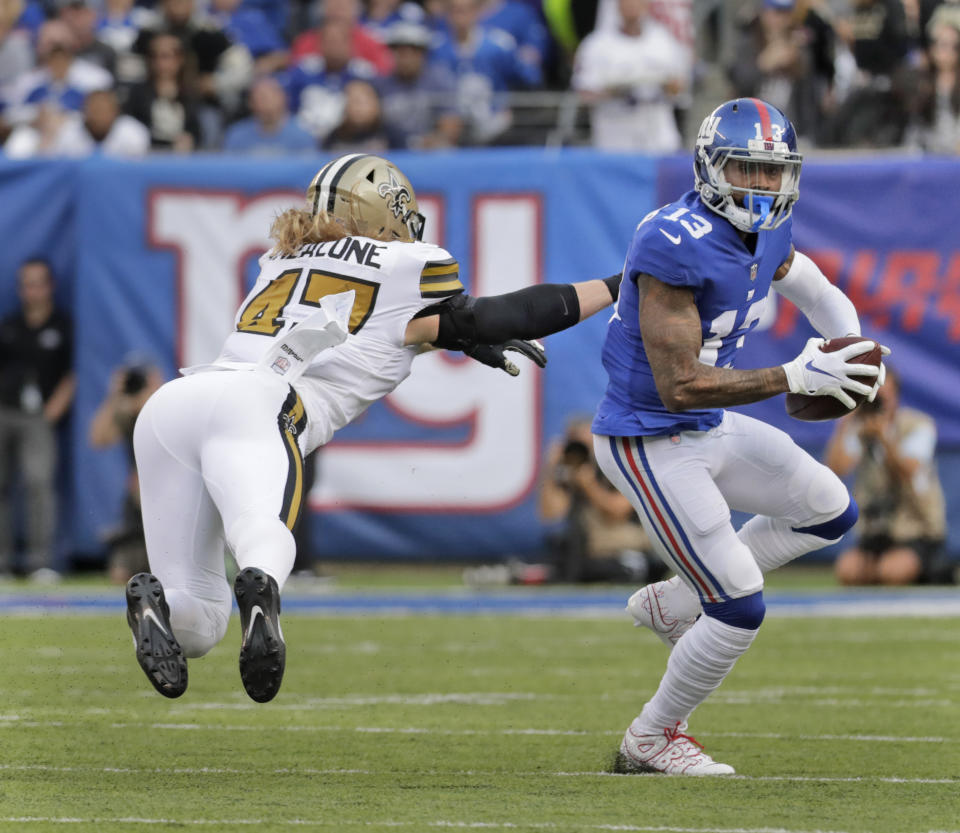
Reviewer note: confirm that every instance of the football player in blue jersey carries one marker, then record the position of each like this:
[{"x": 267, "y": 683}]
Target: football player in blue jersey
[{"x": 695, "y": 281}]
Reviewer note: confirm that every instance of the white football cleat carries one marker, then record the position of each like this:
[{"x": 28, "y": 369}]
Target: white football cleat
[
  {"x": 668, "y": 608},
  {"x": 671, "y": 752}
]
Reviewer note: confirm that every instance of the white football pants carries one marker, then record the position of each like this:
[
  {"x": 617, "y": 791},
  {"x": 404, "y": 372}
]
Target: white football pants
[
  {"x": 683, "y": 487},
  {"x": 220, "y": 462}
]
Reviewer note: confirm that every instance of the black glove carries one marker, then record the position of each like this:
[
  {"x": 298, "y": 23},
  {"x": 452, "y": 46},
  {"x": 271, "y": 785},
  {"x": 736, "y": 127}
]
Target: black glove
[{"x": 494, "y": 355}]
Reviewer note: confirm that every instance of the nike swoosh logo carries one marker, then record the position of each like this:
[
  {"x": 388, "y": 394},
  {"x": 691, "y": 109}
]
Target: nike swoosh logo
[
  {"x": 253, "y": 619},
  {"x": 673, "y": 239},
  {"x": 809, "y": 366},
  {"x": 149, "y": 614}
]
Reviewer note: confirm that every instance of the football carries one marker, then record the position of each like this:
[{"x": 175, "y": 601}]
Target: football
[{"x": 821, "y": 408}]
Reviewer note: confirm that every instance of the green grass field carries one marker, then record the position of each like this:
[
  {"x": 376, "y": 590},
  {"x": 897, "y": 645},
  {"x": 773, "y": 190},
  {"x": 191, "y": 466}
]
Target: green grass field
[{"x": 477, "y": 722}]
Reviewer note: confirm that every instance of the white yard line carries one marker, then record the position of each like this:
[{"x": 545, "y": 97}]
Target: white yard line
[
  {"x": 193, "y": 771},
  {"x": 12, "y": 721},
  {"x": 854, "y": 696},
  {"x": 443, "y": 824}
]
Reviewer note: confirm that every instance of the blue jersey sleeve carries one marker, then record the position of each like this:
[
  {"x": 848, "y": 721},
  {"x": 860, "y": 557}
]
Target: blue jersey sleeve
[{"x": 666, "y": 253}]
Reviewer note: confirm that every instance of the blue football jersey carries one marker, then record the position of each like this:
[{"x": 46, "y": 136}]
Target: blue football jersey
[{"x": 684, "y": 244}]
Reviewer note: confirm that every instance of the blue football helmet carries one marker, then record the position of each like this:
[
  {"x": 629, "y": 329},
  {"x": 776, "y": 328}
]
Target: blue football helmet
[{"x": 754, "y": 136}]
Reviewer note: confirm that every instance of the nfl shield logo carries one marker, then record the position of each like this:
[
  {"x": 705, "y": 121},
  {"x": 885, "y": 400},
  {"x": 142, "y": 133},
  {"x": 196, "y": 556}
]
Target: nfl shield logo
[{"x": 753, "y": 272}]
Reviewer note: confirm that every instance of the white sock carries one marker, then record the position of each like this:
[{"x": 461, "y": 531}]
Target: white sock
[
  {"x": 773, "y": 543},
  {"x": 698, "y": 664}
]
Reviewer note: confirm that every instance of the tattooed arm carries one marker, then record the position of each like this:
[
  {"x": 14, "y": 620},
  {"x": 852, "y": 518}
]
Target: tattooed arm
[{"x": 670, "y": 327}]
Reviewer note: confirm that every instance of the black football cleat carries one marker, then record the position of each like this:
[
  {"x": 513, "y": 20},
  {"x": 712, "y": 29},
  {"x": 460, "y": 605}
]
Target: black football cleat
[
  {"x": 158, "y": 651},
  {"x": 263, "y": 652}
]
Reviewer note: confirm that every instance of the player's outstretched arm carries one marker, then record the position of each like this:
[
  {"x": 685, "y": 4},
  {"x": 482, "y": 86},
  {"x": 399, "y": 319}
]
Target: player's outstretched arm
[
  {"x": 534, "y": 312},
  {"x": 596, "y": 295}
]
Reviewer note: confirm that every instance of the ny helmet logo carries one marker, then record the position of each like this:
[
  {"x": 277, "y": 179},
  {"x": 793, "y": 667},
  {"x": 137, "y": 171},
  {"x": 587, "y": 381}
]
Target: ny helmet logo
[
  {"x": 395, "y": 193},
  {"x": 708, "y": 130}
]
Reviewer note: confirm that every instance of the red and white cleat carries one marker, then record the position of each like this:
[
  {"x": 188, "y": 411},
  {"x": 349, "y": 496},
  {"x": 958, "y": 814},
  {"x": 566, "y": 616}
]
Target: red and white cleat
[
  {"x": 671, "y": 752},
  {"x": 668, "y": 608}
]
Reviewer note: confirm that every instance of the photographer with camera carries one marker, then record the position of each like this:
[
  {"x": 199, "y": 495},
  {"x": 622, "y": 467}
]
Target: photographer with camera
[
  {"x": 599, "y": 537},
  {"x": 130, "y": 386},
  {"x": 902, "y": 526}
]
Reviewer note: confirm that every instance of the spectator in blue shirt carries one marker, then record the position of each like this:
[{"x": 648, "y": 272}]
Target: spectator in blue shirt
[
  {"x": 60, "y": 81},
  {"x": 269, "y": 130},
  {"x": 315, "y": 85},
  {"x": 418, "y": 98},
  {"x": 252, "y": 28},
  {"x": 523, "y": 23},
  {"x": 32, "y": 17},
  {"x": 276, "y": 11},
  {"x": 486, "y": 65}
]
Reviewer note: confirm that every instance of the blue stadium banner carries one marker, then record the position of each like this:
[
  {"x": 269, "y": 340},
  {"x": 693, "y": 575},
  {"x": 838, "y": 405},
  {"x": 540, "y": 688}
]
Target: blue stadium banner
[
  {"x": 447, "y": 466},
  {"x": 155, "y": 255}
]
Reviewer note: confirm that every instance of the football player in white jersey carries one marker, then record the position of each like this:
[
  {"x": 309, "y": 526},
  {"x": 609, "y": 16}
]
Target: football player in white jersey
[
  {"x": 345, "y": 300},
  {"x": 695, "y": 282}
]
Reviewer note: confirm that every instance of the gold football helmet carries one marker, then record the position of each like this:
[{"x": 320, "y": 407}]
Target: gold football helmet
[{"x": 368, "y": 195}]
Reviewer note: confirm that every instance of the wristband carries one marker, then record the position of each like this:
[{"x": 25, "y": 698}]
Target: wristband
[{"x": 613, "y": 284}]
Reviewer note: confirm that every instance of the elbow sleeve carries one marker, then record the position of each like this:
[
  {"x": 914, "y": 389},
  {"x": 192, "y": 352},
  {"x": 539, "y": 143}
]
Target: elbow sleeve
[{"x": 830, "y": 312}]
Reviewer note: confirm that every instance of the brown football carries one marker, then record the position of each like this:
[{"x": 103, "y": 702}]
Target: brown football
[{"x": 821, "y": 408}]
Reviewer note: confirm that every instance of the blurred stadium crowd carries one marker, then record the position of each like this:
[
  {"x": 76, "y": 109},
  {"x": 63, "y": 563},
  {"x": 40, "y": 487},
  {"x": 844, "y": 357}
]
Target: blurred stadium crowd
[{"x": 127, "y": 77}]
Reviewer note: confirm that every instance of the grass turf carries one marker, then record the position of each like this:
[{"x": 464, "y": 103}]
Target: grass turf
[{"x": 497, "y": 723}]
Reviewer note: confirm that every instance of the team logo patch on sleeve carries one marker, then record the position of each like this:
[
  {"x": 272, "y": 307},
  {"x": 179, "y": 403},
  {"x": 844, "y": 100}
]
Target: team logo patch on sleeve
[{"x": 440, "y": 278}]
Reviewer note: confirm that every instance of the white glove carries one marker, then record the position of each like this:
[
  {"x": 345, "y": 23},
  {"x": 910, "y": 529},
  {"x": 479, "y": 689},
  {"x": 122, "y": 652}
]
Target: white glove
[
  {"x": 816, "y": 373},
  {"x": 881, "y": 376}
]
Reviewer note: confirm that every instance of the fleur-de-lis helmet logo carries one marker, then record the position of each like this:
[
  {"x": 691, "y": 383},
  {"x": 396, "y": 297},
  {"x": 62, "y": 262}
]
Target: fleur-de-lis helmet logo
[{"x": 395, "y": 193}]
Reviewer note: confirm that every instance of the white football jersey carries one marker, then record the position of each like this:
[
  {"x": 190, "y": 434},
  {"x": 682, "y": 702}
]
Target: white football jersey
[{"x": 392, "y": 281}]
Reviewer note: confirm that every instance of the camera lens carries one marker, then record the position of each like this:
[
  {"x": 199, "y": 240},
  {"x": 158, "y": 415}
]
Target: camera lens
[{"x": 135, "y": 380}]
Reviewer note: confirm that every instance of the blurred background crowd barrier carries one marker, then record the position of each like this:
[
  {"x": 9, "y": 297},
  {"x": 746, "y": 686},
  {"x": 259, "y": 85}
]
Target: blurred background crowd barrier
[{"x": 153, "y": 256}]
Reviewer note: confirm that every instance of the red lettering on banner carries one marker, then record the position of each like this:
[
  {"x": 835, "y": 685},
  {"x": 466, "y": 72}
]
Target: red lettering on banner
[
  {"x": 948, "y": 300},
  {"x": 858, "y": 286},
  {"x": 910, "y": 278},
  {"x": 908, "y": 281},
  {"x": 899, "y": 288}
]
